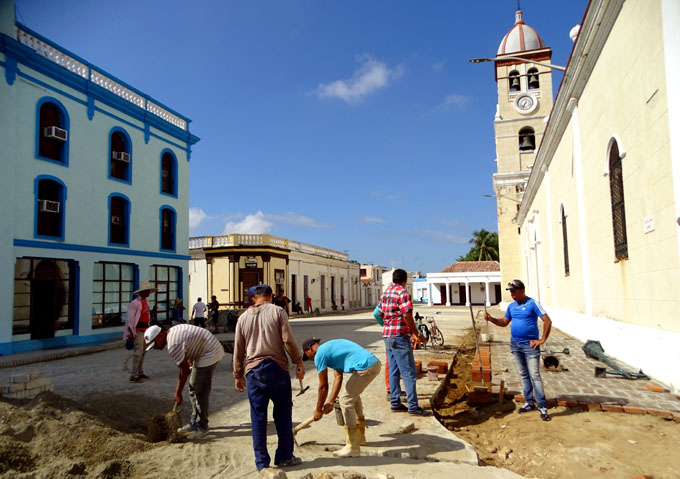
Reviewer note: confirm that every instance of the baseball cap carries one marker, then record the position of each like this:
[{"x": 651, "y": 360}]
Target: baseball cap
[
  {"x": 149, "y": 335},
  {"x": 514, "y": 285},
  {"x": 306, "y": 344},
  {"x": 260, "y": 289}
]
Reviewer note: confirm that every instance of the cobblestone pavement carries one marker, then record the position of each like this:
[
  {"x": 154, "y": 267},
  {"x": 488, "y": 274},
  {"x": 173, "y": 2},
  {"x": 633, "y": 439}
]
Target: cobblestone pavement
[{"x": 574, "y": 383}]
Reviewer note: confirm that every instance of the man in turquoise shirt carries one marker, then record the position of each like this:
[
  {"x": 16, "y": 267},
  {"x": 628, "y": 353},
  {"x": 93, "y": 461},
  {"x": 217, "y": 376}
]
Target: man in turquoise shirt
[{"x": 343, "y": 356}]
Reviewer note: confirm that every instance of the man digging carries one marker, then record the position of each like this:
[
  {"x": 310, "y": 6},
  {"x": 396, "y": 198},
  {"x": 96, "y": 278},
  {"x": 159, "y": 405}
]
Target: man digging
[
  {"x": 196, "y": 352},
  {"x": 343, "y": 356},
  {"x": 525, "y": 344}
]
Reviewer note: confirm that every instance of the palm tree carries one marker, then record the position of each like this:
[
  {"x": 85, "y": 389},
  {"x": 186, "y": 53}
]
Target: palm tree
[{"x": 485, "y": 247}]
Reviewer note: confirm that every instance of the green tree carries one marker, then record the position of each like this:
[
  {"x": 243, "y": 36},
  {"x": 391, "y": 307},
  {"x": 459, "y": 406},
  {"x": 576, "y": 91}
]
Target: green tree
[{"x": 485, "y": 247}]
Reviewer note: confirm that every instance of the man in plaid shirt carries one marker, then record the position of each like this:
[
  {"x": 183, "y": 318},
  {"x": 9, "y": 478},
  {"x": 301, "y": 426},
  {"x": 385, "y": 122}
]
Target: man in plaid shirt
[{"x": 397, "y": 313}]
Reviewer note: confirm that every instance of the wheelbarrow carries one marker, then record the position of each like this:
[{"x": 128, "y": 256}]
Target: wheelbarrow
[{"x": 594, "y": 350}]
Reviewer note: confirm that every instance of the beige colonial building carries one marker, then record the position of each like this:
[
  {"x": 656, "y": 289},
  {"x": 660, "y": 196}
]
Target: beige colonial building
[
  {"x": 525, "y": 98},
  {"x": 372, "y": 284},
  {"x": 227, "y": 266},
  {"x": 599, "y": 220}
]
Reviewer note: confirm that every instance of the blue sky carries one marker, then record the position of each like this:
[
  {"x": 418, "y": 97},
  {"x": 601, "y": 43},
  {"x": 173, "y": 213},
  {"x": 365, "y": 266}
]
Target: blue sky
[{"x": 353, "y": 125}]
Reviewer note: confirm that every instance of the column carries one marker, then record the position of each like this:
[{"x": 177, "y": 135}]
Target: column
[
  {"x": 429, "y": 293},
  {"x": 448, "y": 293},
  {"x": 486, "y": 292},
  {"x": 467, "y": 293}
]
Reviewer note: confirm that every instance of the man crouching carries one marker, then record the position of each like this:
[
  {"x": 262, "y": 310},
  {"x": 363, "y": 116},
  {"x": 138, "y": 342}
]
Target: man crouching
[{"x": 343, "y": 356}]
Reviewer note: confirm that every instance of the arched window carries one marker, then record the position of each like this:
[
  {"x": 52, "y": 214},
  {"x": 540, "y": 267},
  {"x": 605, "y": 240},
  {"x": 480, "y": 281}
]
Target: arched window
[
  {"x": 168, "y": 173},
  {"x": 168, "y": 218},
  {"x": 533, "y": 81},
  {"x": 565, "y": 243},
  {"x": 119, "y": 220},
  {"x": 120, "y": 155},
  {"x": 513, "y": 81},
  {"x": 52, "y": 133},
  {"x": 618, "y": 203},
  {"x": 527, "y": 139},
  {"x": 50, "y": 194}
]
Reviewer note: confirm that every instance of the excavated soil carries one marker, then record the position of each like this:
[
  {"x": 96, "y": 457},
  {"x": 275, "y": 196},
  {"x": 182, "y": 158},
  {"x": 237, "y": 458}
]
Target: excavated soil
[
  {"x": 53, "y": 437},
  {"x": 575, "y": 444}
]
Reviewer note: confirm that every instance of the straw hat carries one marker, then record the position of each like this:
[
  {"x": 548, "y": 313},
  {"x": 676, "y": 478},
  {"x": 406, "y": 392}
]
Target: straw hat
[{"x": 145, "y": 286}]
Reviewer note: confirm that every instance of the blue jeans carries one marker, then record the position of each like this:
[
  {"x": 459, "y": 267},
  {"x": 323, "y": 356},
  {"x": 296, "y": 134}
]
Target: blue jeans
[
  {"x": 400, "y": 358},
  {"x": 528, "y": 361},
  {"x": 268, "y": 381}
]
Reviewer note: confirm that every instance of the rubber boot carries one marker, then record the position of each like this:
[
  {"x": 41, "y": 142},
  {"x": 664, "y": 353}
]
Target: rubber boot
[
  {"x": 352, "y": 447},
  {"x": 361, "y": 426}
]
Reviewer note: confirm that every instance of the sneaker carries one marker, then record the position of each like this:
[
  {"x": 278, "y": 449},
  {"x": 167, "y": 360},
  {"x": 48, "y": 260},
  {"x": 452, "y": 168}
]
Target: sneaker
[
  {"x": 143, "y": 376},
  {"x": 293, "y": 461},
  {"x": 135, "y": 380},
  {"x": 526, "y": 408},
  {"x": 400, "y": 408},
  {"x": 197, "y": 433},
  {"x": 419, "y": 411},
  {"x": 188, "y": 428},
  {"x": 544, "y": 414}
]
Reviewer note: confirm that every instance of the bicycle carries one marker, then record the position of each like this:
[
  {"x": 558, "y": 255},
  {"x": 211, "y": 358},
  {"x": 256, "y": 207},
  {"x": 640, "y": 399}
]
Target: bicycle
[{"x": 433, "y": 334}]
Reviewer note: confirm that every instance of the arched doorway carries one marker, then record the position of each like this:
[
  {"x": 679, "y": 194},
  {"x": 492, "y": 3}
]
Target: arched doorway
[{"x": 48, "y": 296}]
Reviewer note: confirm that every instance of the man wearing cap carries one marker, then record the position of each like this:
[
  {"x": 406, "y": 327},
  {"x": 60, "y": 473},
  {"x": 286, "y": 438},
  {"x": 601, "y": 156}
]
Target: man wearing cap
[
  {"x": 196, "y": 351},
  {"x": 396, "y": 310},
  {"x": 525, "y": 344},
  {"x": 343, "y": 356},
  {"x": 137, "y": 320},
  {"x": 263, "y": 336}
]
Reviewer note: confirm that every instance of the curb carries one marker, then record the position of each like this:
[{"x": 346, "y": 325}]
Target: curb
[{"x": 13, "y": 363}]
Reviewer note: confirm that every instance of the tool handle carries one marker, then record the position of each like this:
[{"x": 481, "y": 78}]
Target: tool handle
[
  {"x": 303, "y": 424},
  {"x": 176, "y": 407}
]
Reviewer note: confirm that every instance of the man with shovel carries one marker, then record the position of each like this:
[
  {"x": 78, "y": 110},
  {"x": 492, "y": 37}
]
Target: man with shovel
[
  {"x": 197, "y": 352},
  {"x": 343, "y": 356},
  {"x": 525, "y": 344},
  {"x": 263, "y": 336}
]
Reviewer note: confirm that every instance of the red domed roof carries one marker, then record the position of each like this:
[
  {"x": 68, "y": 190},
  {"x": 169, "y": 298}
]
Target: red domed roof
[{"x": 520, "y": 38}]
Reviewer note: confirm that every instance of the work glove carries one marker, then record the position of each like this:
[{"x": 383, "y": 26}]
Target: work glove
[{"x": 129, "y": 345}]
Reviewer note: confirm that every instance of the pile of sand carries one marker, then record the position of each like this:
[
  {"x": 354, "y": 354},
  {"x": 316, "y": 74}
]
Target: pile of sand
[{"x": 53, "y": 437}]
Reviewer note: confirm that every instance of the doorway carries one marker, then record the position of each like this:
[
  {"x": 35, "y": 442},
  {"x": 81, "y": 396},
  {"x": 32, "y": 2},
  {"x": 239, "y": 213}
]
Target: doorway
[
  {"x": 461, "y": 294},
  {"x": 443, "y": 294},
  {"x": 249, "y": 279}
]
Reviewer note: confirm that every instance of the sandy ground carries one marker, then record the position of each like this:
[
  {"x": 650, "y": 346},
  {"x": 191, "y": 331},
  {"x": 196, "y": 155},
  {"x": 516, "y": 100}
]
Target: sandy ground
[{"x": 574, "y": 444}]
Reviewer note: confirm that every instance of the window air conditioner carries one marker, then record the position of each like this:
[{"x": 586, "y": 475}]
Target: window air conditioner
[
  {"x": 121, "y": 156},
  {"x": 55, "y": 133},
  {"x": 116, "y": 220},
  {"x": 48, "y": 206}
]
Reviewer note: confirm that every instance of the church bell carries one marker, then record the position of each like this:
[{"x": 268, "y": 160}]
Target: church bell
[
  {"x": 514, "y": 84},
  {"x": 526, "y": 143},
  {"x": 533, "y": 80}
]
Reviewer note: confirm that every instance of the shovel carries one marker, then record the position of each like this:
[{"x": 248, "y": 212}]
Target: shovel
[{"x": 164, "y": 426}]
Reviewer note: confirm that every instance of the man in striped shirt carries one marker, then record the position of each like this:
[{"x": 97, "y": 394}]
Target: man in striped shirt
[
  {"x": 196, "y": 351},
  {"x": 397, "y": 313}
]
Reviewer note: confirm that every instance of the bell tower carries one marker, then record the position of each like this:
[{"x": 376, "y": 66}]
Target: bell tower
[{"x": 525, "y": 99}]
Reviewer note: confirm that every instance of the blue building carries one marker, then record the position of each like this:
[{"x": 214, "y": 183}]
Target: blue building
[{"x": 94, "y": 194}]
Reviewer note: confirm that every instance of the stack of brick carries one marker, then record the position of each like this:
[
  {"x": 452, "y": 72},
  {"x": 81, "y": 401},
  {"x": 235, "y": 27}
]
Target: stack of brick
[
  {"x": 24, "y": 386},
  {"x": 484, "y": 351}
]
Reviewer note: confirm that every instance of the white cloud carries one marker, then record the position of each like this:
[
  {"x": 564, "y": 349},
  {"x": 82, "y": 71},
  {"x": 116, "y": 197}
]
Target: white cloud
[
  {"x": 442, "y": 237},
  {"x": 293, "y": 218},
  {"x": 372, "y": 220},
  {"x": 251, "y": 224},
  {"x": 196, "y": 217},
  {"x": 439, "y": 66},
  {"x": 371, "y": 76},
  {"x": 454, "y": 101}
]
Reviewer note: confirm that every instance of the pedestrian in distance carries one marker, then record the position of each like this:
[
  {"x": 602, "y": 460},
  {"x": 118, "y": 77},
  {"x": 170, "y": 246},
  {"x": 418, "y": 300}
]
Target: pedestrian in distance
[
  {"x": 178, "y": 310},
  {"x": 196, "y": 352},
  {"x": 198, "y": 313},
  {"x": 137, "y": 321},
  {"x": 263, "y": 337},
  {"x": 522, "y": 314},
  {"x": 214, "y": 312},
  {"x": 396, "y": 310},
  {"x": 343, "y": 357},
  {"x": 281, "y": 300}
]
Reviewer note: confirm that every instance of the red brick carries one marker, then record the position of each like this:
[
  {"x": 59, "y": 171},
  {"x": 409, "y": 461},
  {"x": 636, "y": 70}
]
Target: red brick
[
  {"x": 594, "y": 406},
  {"x": 655, "y": 388},
  {"x": 551, "y": 402},
  {"x": 419, "y": 367},
  {"x": 442, "y": 366},
  {"x": 634, "y": 410},
  {"x": 660, "y": 412},
  {"x": 612, "y": 407},
  {"x": 519, "y": 397},
  {"x": 644, "y": 476},
  {"x": 477, "y": 375}
]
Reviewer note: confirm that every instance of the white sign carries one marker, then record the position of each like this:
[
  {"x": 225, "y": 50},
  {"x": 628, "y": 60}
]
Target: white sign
[{"x": 648, "y": 223}]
